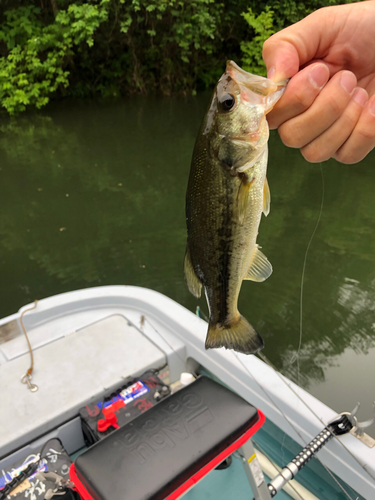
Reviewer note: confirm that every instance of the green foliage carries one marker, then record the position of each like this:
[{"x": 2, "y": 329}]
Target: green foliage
[
  {"x": 108, "y": 47},
  {"x": 36, "y": 63},
  {"x": 167, "y": 40},
  {"x": 266, "y": 18},
  {"x": 287, "y": 12},
  {"x": 252, "y": 50}
]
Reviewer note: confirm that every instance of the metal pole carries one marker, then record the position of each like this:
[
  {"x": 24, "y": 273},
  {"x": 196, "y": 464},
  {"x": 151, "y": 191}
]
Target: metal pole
[
  {"x": 253, "y": 472},
  {"x": 338, "y": 426}
]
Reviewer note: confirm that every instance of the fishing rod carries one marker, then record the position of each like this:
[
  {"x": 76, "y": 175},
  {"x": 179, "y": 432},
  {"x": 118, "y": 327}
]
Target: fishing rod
[{"x": 340, "y": 425}]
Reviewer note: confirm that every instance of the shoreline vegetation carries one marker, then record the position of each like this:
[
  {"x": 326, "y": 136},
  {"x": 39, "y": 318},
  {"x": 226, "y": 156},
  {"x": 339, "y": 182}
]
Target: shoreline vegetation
[{"x": 50, "y": 49}]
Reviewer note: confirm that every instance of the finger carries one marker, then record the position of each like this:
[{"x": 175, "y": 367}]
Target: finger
[
  {"x": 299, "y": 94},
  {"x": 325, "y": 110},
  {"x": 362, "y": 139},
  {"x": 326, "y": 145},
  {"x": 298, "y": 44},
  {"x": 281, "y": 58}
]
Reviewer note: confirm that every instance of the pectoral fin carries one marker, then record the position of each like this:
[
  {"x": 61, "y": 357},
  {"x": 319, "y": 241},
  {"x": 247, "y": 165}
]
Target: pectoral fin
[
  {"x": 193, "y": 283},
  {"x": 243, "y": 196},
  {"x": 260, "y": 267},
  {"x": 266, "y": 198}
]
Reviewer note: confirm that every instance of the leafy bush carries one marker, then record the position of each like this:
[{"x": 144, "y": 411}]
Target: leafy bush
[
  {"x": 263, "y": 27},
  {"x": 266, "y": 18},
  {"x": 38, "y": 55}
]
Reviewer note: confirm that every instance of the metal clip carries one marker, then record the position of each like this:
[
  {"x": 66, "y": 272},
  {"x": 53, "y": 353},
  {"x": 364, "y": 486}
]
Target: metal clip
[
  {"x": 59, "y": 484},
  {"x": 341, "y": 424},
  {"x": 358, "y": 427},
  {"x": 26, "y": 379}
]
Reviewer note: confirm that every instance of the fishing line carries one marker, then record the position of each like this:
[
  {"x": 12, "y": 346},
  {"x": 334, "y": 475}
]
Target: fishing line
[
  {"x": 301, "y": 328},
  {"x": 290, "y": 484},
  {"x": 303, "y": 276},
  {"x": 290, "y": 423},
  {"x": 143, "y": 320},
  {"x": 268, "y": 362},
  {"x": 268, "y": 396},
  {"x": 201, "y": 314}
]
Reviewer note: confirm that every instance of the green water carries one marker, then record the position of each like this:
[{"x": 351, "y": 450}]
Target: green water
[{"x": 93, "y": 194}]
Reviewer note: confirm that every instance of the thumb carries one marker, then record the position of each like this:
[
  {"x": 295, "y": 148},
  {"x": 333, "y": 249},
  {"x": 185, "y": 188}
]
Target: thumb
[
  {"x": 286, "y": 51},
  {"x": 281, "y": 58}
]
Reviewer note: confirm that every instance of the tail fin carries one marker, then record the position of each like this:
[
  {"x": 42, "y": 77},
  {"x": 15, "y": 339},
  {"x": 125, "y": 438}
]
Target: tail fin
[{"x": 240, "y": 336}]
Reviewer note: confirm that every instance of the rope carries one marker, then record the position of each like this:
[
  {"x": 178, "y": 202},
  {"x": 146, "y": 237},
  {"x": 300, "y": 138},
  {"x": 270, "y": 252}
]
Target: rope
[{"x": 30, "y": 370}]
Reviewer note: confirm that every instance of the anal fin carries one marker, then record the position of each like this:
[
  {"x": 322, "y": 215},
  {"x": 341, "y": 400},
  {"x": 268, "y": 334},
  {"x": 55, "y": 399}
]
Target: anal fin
[
  {"x": 193, "y": 283},
  {"x": 260, "y": 267}
]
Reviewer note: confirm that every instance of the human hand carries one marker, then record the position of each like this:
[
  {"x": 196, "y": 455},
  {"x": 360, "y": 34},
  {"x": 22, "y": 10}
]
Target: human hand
[{"x": 328, "y": 108}]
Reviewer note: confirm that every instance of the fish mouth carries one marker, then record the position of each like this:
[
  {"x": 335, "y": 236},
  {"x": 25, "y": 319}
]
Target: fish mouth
[{"x": 257, "y": 84}]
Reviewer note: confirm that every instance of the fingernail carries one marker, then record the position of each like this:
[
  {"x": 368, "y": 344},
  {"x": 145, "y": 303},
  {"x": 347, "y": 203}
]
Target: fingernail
[
  {"x": 348, "y": 81},
  {"x": 319, "y": 75},
  {"x": 360, "y": 96},
  {"x": 271, "y": 72}
]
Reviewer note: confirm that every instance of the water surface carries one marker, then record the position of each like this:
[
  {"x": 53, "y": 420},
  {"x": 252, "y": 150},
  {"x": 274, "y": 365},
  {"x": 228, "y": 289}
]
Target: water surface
[{"x": 94, "y": 194}]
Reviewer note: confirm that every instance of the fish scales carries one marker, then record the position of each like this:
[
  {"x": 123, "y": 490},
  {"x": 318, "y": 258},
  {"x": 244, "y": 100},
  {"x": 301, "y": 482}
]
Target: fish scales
[
  {"x": 224, "y": 203},
  {"x": 214, "y": 220}
]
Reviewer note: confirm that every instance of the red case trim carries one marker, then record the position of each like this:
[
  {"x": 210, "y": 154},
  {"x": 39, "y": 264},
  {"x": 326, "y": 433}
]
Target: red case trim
[
  {"x": 84, "y": 494},
  {"x": 197, "y": 476}
]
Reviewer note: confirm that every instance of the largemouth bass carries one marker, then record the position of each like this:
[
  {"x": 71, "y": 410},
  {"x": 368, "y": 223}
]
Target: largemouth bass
[{"x": 227, "y": 193}]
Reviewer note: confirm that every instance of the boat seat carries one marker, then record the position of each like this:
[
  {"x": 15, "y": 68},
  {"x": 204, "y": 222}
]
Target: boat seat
[{"x": 169, "y": 448}]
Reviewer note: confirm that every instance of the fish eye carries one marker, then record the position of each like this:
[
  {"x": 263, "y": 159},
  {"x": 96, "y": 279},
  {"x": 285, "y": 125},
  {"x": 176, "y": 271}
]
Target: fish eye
[{"x": 227, "y": 102}]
